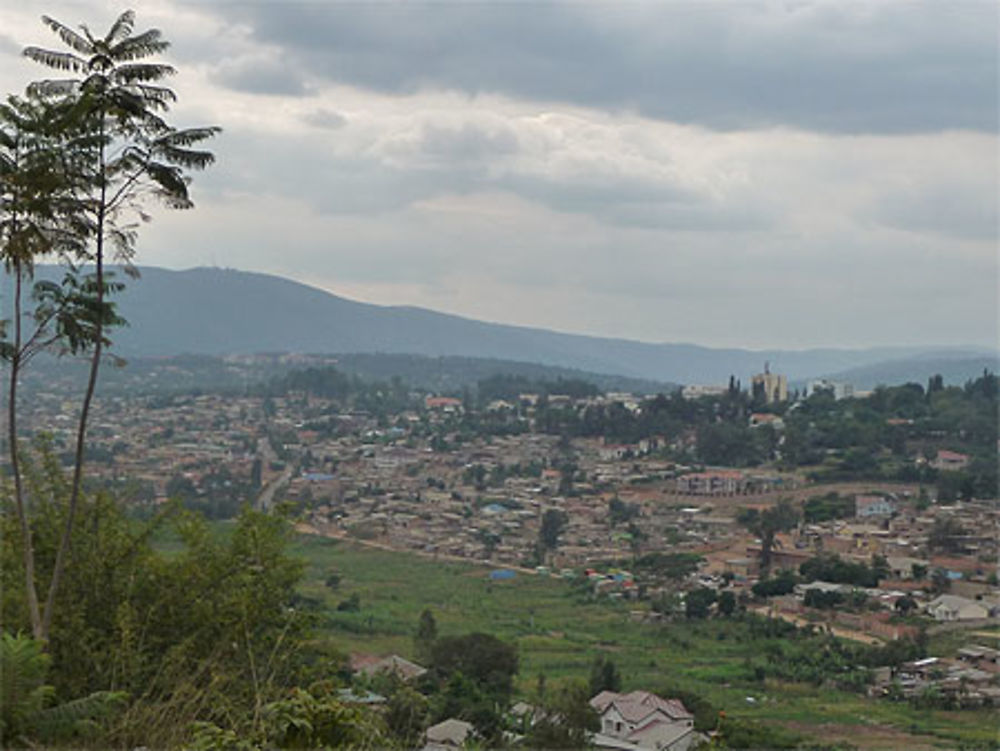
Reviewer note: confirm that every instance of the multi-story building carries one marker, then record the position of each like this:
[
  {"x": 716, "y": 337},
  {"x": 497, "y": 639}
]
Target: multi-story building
[{"x": 772, "y": 386}]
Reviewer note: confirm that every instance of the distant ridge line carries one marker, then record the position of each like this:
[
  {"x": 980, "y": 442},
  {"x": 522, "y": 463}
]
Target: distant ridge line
[{"x": 219, "y": 311}]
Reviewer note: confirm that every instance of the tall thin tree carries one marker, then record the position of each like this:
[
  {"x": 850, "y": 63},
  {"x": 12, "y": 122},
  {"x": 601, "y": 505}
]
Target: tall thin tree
[
  {"x": 136, "y": 156},
  {"x": 39, "y": 217}
]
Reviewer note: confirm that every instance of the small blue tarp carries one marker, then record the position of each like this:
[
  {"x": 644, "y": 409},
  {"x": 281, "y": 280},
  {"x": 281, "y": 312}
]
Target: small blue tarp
[{"x": 502, "y": 573}]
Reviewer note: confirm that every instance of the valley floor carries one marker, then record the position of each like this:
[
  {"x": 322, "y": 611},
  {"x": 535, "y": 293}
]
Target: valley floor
[{"x": 559, "y": 631}]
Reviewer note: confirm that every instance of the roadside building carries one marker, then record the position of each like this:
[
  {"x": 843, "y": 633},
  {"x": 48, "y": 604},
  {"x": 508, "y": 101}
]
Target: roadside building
[
  {"x": 950, "y": 461},
  {"x": 954, "y": 608},
  {"x": 717, "y": 482},
  {"x": 866, "y": 506}
]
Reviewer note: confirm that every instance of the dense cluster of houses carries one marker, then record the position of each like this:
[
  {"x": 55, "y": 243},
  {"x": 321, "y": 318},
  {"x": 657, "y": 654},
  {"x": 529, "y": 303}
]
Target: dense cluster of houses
[
  {"x": 396, "y": 483},
  {"x": 968, "y": 679}
]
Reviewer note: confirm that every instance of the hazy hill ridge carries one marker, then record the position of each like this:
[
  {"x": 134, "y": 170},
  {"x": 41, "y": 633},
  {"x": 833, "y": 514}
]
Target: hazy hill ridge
[{"x": 223, "y": 311}]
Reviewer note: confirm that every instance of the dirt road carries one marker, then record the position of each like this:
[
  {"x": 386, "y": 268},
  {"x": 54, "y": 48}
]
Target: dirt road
[{"x": 733, "y": 502}]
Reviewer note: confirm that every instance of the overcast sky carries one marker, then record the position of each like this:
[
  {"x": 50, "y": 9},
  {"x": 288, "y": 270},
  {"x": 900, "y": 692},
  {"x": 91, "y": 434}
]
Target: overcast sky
[{"x": 791, "y": 174}]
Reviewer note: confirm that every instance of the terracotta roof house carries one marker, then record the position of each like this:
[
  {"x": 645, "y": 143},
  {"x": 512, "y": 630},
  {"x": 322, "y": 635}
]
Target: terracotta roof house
[
  {"x": 446, "y": 403},
  {"x": 950, "y": 460}
]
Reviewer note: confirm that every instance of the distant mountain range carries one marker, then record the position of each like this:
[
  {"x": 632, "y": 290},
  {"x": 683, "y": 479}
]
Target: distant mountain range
[
  {"x": 221, "y": 311},
  {"x": 917, "y": 369}
]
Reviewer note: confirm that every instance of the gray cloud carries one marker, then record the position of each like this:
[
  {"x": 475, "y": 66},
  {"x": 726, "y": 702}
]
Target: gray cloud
[
  {"x": 891, "y": 67},
  {"x": 8, "y": 46},
  {"x": 524, "y": 208},
  {"x": 294, "y": 168},
  {"x": 949, "y": 210},
  {"x": 326, "y": 119},
  {"x": 460, "y": 160},
  {"x": 466, "y": 143},
  {"x": 634, "y": 202},
  {"x": 262, "y": 77}
]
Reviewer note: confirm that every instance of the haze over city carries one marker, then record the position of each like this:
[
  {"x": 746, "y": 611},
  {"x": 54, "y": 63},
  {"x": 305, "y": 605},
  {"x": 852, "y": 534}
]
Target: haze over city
[{"x": 793, "y": 175}]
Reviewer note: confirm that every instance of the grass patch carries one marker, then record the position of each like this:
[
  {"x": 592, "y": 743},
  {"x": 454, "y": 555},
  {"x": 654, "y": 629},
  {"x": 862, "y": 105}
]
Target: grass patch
[{"x": 559, "y": 633}]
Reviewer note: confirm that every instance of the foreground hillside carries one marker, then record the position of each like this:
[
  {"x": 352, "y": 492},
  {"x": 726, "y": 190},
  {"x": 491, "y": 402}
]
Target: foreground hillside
[{"x": 559, "y": 631}]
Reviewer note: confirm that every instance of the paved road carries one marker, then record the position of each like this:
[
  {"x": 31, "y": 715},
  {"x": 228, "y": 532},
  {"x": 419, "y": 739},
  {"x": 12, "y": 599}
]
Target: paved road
[{"x": 266, "y": 496}]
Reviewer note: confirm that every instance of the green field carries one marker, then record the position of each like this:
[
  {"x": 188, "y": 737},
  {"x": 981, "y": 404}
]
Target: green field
[{"x": 558, "y": 632}]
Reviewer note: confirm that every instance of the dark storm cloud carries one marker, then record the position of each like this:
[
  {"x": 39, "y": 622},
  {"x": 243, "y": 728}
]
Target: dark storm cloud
[{"x": 837, "y": 67}]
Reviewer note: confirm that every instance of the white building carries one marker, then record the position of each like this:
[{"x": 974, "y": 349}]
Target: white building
[
  {"x": 696, "y": 391},
  {"x": 840, "y": 389},
  {"x": 955, "y": 608}
]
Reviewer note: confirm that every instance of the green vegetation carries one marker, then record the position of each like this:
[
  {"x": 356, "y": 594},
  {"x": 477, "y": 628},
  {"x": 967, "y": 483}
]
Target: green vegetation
[
  {"x": 80, "y": 159},
  {"x": 782, "y": 583},
  {"x": 170, "y": 632},
  {"x": 564, "y": 719},
  {"x": 766, "y": 524},
  {"x": 833, "y": 568},
  {"x": 560, "y": 632},
  {"x": 827, "y": 507},
  {"x": 674, "y": 566},
  {"x": 207, "y": 628},
  {"x": 27, "y": 710},
  {"x": 510, "y": 387}
]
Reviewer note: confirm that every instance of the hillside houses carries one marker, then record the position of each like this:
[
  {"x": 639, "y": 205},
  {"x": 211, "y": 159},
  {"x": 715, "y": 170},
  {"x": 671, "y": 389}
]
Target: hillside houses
[
  {"x": 419, "y": 481},
  {"x": 866, "y": 506},
  {"x": 955, "y": 608},
  {"x": 642, "y": 720},
  {"x": 949, "y": 461}
]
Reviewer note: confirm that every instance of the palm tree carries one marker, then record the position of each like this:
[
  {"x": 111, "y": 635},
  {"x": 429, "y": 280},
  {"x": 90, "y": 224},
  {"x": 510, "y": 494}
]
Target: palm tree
[
  {"x": 38, "y": 217},
  {"x": 133, "y": 155}
]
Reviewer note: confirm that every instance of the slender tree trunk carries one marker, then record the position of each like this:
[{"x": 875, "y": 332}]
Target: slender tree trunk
[
  {"x": 74, "y": 497},
  {"x": 81, "y": 433},
  {"x": 766, "y": 546},
  {"x": 27, "y": 548}
]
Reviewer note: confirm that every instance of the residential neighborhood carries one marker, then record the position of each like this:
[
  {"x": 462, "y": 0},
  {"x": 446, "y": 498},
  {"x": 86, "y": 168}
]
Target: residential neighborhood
[{"x": 588, "y": 509}]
